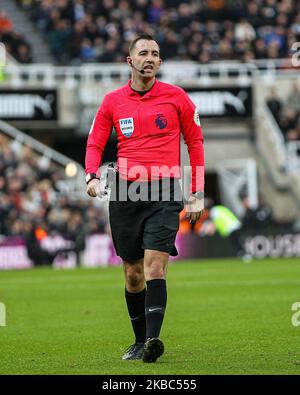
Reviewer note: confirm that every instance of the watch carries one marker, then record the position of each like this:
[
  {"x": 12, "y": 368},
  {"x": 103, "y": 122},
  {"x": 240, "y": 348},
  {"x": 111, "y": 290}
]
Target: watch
[
  {"x": 198, "y": 195},
  {"x": 90, "y": 176}
]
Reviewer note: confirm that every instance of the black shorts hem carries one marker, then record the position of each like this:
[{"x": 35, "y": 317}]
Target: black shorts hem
[
  {"x": 171, "y": 251},
  {"x": 130, "y": 258}
]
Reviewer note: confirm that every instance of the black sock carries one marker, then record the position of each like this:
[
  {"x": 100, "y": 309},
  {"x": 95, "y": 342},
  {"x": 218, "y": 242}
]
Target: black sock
[
  {"x": 156, "y": 301},
  {"x": 136, "y": 309}
]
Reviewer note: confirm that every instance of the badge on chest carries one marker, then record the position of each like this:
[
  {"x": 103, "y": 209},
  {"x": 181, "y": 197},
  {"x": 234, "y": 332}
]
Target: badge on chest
[{"x": 126, "y": 126}]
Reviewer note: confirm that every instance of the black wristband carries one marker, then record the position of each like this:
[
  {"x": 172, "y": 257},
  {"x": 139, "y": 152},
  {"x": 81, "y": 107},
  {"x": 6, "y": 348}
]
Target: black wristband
[{"x": 91, "y": 176}]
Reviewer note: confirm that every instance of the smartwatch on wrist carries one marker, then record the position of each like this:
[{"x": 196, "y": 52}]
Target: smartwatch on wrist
[
  {"x": 91, "y": 176},
  {"x": 198, "y": 195}
]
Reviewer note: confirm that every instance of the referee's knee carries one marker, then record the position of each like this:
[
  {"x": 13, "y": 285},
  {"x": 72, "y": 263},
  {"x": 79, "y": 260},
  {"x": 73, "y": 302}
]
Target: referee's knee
[
  {"x": 155, "y": 266},
  {"x": 135, "y": 279}
]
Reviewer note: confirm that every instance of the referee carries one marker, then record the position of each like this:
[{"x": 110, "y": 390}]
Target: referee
[{"x": 149, "y": 117}]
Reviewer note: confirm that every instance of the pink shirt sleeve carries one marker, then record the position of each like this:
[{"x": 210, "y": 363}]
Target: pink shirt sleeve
[
  {"x": 193, "y": 137},
  {"x": 98, "y": 137}
]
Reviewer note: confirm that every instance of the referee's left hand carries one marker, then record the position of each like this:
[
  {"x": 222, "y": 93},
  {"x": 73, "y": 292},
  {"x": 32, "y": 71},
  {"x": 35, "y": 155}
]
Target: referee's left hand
[
  {"x": 94, "y": 188},
  {"x": 194, "y": 208}
]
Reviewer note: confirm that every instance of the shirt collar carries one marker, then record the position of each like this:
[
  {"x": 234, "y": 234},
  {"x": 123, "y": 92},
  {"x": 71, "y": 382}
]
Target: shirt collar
[{"x": 152, "y": 91}]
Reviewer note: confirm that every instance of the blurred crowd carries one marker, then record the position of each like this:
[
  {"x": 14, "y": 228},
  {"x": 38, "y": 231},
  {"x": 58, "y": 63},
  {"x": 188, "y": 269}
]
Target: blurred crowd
[
  {"x": 287, "y": 112},
  {"x": 32, "y": 207},
  {"x": 15, "y": 43},
  {"x": 198, "y": 30},
  {"x": 255, "y": 219}
]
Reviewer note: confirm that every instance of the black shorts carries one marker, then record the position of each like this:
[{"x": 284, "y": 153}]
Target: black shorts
[{"x": 151, "y": 222}]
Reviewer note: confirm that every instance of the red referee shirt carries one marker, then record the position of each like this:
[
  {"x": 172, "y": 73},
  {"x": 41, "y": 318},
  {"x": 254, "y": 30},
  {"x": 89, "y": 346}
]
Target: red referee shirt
[{"x": 148, "y": 131}]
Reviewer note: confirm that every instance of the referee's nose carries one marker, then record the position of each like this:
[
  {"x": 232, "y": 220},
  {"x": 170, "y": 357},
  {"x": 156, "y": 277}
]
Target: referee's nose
[{"x": 150, "y": 60}]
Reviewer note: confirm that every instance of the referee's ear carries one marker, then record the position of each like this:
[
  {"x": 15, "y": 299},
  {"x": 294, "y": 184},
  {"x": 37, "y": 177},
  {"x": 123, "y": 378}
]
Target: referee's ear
[{"x": 129, "y": 61}]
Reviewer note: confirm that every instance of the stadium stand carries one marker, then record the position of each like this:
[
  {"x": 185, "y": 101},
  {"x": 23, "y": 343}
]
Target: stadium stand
[
  {"x": 33, "y": 206},
  {"x": 16, "y": 44},
  {"x": 203, "y": 31},
  {"x": 287, "y": 113}
]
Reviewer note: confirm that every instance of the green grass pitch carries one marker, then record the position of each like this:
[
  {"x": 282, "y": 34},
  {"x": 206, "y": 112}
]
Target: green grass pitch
[{"x": 223, "y": 317}]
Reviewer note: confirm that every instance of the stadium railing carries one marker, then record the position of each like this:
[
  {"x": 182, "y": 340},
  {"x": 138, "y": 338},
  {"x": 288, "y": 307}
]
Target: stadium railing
[
  {"x": 274, "y": 155},
  {"x": 72, "y": 185},
  {"x": 172, "y": 72},
  {"x": 293, "y": 156}
]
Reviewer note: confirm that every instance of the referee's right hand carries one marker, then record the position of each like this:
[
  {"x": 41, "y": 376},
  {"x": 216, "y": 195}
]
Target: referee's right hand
[{"x": 94, "y": 188}]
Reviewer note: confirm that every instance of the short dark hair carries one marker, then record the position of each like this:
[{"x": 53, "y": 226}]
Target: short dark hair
[{"x": 141, "y": 36}]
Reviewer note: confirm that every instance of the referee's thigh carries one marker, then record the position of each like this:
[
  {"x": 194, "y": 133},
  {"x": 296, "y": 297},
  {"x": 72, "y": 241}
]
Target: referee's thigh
[
  {"x": 127, "y": 223},
  {"x": 162, "y": 226}
]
